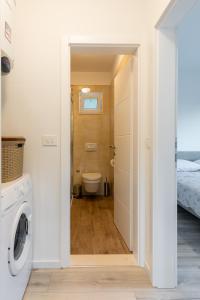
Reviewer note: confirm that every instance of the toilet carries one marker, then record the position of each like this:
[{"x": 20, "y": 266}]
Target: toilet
[{"x": 91, "y": 182}]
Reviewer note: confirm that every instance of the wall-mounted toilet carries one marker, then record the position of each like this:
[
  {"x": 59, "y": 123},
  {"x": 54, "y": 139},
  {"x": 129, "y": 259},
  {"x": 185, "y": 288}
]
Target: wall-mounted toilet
[{"x": 91, "y": 182}]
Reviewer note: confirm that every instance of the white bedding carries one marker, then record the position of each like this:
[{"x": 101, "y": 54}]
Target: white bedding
[{"x": 188, "y": 189}]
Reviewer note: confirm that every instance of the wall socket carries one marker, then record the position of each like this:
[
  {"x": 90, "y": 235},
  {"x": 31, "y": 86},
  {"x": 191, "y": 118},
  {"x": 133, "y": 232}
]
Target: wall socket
[{"x": 49, "y": 140}]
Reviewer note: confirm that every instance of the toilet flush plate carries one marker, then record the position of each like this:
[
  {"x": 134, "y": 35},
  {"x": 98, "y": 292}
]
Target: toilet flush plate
[{"x": 90, "y": 147}]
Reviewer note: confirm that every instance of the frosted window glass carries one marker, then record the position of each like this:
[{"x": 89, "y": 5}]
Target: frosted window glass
[{"x": 90, "y": 104}]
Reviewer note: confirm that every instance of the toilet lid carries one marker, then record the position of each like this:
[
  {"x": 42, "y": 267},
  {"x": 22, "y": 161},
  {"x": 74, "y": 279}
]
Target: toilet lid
[{"x": 91, "y": 176}]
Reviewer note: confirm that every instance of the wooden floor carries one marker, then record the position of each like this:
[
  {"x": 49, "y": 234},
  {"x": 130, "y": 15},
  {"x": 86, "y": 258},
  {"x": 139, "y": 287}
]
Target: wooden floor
[
  {"x": 94, "y": 283},
  {"x": 92, "y": 227},
  {"x": 102, "y": 283},
  {"x": 124, "y": 283}
]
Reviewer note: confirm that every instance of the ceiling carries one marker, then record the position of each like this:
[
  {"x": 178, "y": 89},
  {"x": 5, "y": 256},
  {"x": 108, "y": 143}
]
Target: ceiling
[
  {"x": 92, "y": 62},
  {"x": 98, "y": 58}
]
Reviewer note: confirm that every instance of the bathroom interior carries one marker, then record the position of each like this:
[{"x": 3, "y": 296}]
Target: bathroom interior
[{"x": 97, "y": 76}]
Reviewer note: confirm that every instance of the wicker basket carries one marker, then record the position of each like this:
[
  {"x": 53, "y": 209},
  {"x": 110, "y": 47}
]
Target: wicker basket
[{"x": 12, "y": 158}]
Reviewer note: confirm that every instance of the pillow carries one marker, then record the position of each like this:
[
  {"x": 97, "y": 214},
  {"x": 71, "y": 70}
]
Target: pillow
[
  {"x": 187, "y": 166},
  {"x": 197, "y": 161}
]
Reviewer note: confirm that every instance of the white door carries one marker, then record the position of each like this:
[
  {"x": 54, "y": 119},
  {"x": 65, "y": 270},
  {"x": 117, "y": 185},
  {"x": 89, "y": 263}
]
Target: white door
[{"x": 126, "y": 158}]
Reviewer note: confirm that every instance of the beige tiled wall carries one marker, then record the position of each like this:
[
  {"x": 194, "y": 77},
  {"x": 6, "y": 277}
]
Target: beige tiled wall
[{"x": 91, "y": 129}]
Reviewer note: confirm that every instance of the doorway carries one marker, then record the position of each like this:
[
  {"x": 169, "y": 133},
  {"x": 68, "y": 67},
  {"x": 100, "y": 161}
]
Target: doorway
[
  {"x": 104, "y": 108},
  {"x": 117, "y": 49},
  {"x": 165, "y": 145}
]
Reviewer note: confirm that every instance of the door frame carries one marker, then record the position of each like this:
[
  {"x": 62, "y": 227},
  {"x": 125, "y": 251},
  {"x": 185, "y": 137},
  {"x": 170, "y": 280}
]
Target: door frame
[
  {"x": 65, "y": 140},
  {"x": 164, "y": 149}
]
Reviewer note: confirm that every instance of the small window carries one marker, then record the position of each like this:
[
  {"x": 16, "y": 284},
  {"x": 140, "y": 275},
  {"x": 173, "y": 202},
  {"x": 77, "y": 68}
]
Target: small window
[{"x": 90, "y": 103}]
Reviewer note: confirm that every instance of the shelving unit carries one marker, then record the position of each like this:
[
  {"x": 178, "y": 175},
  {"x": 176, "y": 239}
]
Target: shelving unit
[
  {"x": 7, "y": 23},
  {"x": 7, "y": 20}
]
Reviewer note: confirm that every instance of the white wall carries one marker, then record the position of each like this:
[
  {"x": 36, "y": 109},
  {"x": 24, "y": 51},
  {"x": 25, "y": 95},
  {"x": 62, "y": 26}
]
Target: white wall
[
  {"x": 91, "y": 78},
  {"x": 188, "y": 134},
  {"x": 32, "y": 105}
]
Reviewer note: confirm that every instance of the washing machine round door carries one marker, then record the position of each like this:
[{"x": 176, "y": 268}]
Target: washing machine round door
[{"x": 20, "y": 241}]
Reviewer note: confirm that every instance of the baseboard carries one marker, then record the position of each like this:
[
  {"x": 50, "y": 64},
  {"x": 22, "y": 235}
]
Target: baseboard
[{"x": 48, "y": 264}]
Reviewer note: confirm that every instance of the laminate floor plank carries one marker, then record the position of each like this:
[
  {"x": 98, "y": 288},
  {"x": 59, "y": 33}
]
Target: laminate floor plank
[
  {"x": 119, "y": 283},
  {"x": 124, "y": 282},
  {"x": 92, "y": 227}
]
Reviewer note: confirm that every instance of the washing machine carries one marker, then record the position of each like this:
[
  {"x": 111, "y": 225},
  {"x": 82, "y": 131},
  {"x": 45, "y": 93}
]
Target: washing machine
[{"x": 15, "y": 238}]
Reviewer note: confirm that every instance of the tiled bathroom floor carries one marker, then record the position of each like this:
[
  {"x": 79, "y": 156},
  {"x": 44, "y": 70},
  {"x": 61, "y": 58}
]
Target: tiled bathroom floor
[{"x": 92, "y": 227}]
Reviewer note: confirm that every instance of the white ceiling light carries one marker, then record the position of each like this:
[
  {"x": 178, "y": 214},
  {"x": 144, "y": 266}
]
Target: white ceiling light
[{"x": 85, "y": 90}]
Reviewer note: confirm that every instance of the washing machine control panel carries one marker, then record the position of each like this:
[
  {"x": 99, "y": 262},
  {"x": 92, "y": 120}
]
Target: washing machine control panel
[
  {"x": 23, "y": 189},
  {"x": 13, "y": 192}
]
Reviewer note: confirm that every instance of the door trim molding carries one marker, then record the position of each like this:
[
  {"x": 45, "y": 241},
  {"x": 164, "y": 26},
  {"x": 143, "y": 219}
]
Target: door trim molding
[
  {"x": 85, "y": 41},
  {"x": 164, "y": 168}
]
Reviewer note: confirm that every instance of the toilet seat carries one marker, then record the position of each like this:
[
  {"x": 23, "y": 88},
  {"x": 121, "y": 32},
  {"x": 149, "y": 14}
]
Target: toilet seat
[
  {"x": 91, "y": 182},
  {"x": 91, "y": 176}
]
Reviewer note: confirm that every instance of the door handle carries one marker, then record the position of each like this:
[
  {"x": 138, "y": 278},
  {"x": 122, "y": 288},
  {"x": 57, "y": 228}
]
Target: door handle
[{"x": 112, "y": 147}]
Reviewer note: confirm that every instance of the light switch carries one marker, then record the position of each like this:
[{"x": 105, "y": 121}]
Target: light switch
[
  {"x": 148, "y": 143},
  {"x": 49, "y": 140}
]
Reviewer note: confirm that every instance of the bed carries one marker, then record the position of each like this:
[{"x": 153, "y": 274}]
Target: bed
[{"x": 188, "y": 184}]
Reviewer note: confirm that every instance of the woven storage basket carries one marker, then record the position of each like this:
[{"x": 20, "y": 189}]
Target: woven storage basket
[{"x": 12, "y": 158}]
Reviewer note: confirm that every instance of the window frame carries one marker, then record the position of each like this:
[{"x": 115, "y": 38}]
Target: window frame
[{"x": 91, "y": 95}]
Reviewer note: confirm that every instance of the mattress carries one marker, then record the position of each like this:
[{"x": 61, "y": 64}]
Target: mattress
[{"x": 188, "y": 191}]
